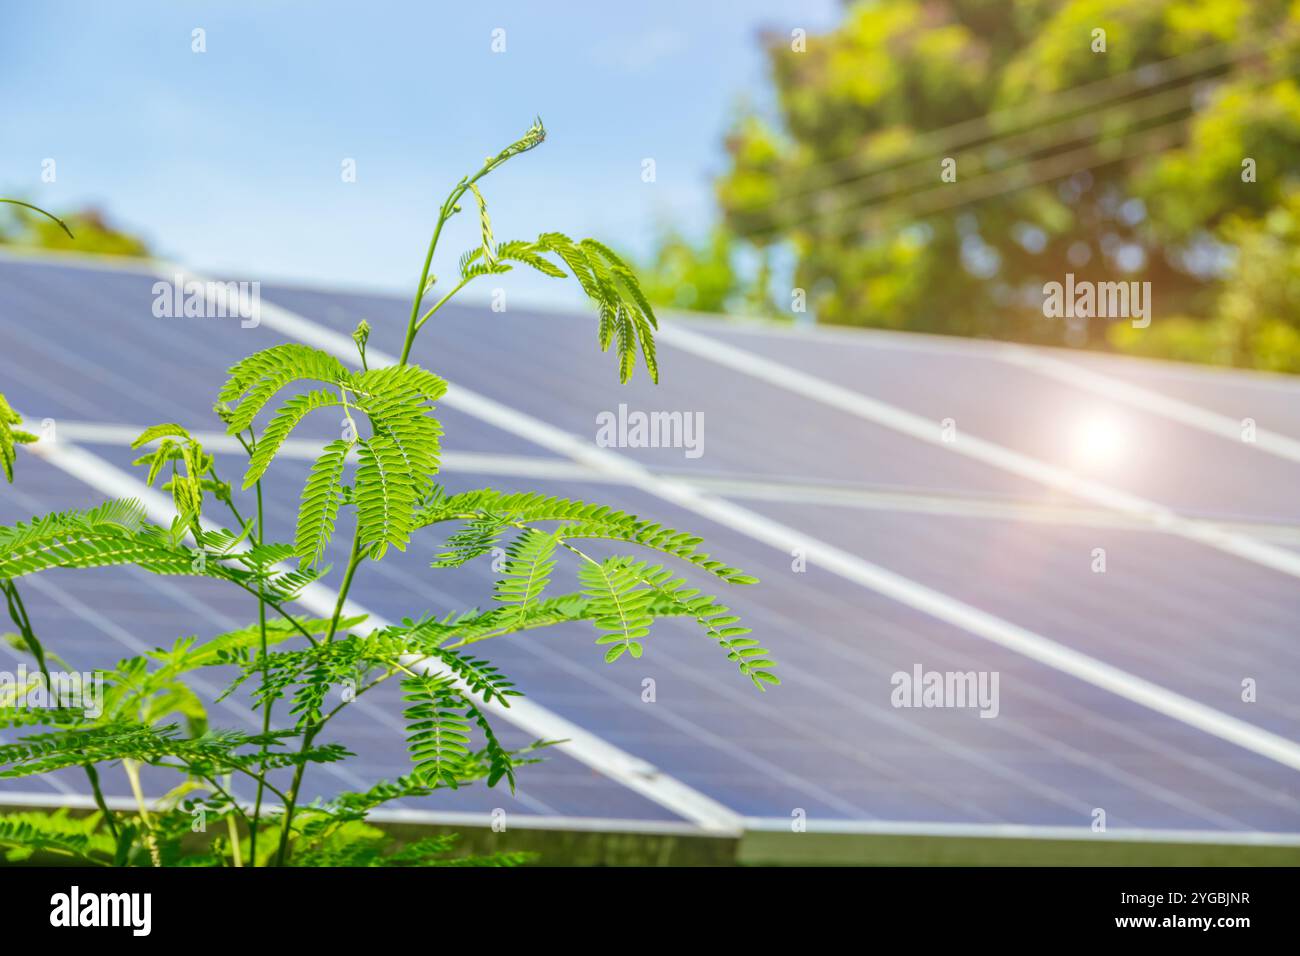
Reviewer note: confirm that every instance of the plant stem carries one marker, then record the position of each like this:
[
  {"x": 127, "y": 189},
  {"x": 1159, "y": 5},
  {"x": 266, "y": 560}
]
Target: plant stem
[
  {"x": 133, "y": 774},
  {"x": 411, "y": 327},
  {"x": 234, "y": 834},
  {"x": 18, "y": 613},
  {"x": 266, "y": 710},
  {"x": 439, "y": 304},
  {"x": 234, "y": 842},
  {"x": 354, "y": 559},
  {"x": 446, "y": 212},
  {"x": 93, "y": 776}
]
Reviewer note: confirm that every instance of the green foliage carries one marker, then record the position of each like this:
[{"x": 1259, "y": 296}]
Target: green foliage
[
  {"x": 86, "y": 231},
  {"x": 24, "y": 835},
  {"x": 703, "y": 277},
  {"x": 1254, "y": 324},
  {"x": 438, "y": 730},
  {"x": 527, "y": 570},
  {"x": 11, "y": 437},
  {"x": 355, "y": 844},
  {"x": 488, "y": 514},
  {"x": 627, "y": 318},
  {"x": 1122, "y": 165},
  {"x": 301, "y": 672},
  {"x": 321, "y": 497},
  {"x": 620, "y": 609}
]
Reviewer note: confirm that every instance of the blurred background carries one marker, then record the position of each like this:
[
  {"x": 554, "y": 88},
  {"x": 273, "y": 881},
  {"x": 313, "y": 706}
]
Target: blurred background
[{"x": 748, "y": 155}]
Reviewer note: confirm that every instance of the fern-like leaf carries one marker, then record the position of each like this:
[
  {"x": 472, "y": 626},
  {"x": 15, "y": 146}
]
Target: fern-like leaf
[
  {"x": 625, "y": 314},
  {"x": 254, "y": 380},
  {"x": 320, "y": 504},
  {"x": 438, "y": 735},
  {"x": 278, "y": 429},
  {"x": 385, "y": 496},
  {"x": 527, "y": 571},
  {"x": 717, "y": 620},
  {"x": 619, "y": 606}
]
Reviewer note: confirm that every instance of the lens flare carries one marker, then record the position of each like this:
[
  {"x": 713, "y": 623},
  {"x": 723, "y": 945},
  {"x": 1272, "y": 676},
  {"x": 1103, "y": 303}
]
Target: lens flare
[{"x": 1097, "y": 441}]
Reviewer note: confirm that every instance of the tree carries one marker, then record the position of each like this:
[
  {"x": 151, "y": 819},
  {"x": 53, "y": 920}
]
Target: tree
[
  {"x": 21, "y": 226},
  {"x": 934, "y": 164}
]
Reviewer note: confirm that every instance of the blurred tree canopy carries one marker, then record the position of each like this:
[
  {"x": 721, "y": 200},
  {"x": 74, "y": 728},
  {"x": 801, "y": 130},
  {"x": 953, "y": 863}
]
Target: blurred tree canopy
[
  {"x": 92, "y": 232},
  {"x": 702, "y": 278},
  {"x": 1156, "y": 140},
  {"x": 707, "y": 276}
]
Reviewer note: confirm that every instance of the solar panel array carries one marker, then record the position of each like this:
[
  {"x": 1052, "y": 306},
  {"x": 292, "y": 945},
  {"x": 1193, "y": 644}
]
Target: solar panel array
[{"x": 905, "y": 501}]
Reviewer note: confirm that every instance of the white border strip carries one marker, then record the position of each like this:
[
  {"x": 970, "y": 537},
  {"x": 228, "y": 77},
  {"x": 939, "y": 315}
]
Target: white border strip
[
  {"x": 902, "y": 828},
  {"x": 1015, "y": 831}
]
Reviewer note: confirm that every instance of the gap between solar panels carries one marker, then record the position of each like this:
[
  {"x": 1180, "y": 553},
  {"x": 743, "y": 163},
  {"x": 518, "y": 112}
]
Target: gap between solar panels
[{"x": 850, "y": 566}]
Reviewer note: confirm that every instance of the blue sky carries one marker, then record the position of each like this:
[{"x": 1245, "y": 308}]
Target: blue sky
[{"x": 230, "y": 160}]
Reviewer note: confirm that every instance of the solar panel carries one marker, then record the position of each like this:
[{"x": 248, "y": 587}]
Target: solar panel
[{"x": 1118, "y": 689}]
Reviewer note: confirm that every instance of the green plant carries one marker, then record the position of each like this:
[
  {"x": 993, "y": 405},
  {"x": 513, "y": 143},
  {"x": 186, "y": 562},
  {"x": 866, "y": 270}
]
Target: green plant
[{"x": 381, "y": 481}]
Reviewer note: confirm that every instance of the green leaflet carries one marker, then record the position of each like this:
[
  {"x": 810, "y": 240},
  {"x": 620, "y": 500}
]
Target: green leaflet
[
  {"x": 115, "y": 533},
  {"x": 620, "y": 609},
  {"x": 437, "y": 732},
  {"x": 488, "y": 513},
  {"x": 625, "y": 314},
  {"x": 122, "y": 515},
  {"x": 223, "y": 647},
  {"x": 11, "y": 437},
  {"x": 386, "y": 493},
  {"x": 395, "y": 384},
  {"x": 277, "y": 430},
  {"x": 430, "y": 635},
  {"x": 55, "y": 832},
  {"x": 717, "y": 620},
  {"x": 516, "y": 250},
  {"x": 527, "y": 571},
  {"x": 165, "y": 430},
  {"x": 479, "y": 675},
  {"x": 213, "y": 752},
  {"x": 439, "y": 736},
  {"x": 397, "y": 462},
  {"x": 320, "y": 504},
  {"x": 186, "y": 485},
  {"x": 254, "y": 380},
  {"x": 485, "y": 226},
  {"x": 626, "y": 317}
]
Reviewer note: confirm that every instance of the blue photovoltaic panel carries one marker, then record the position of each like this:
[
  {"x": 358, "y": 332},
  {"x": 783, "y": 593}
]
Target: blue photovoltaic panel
[
  {"x": 552, "y": 361},
  {"x": 1163, "y": 461},
  {"x": 81, "y": 344}
]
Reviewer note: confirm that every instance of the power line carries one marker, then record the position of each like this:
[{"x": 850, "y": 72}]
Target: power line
[
  {"x": 1187, "y": 68},
  {"x": 1050, "y": 163},
  {"x": 1021, "y": 147}
]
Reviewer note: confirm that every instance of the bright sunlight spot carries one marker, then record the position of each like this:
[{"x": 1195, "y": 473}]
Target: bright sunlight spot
[{"x": 1098, "y": 441}]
